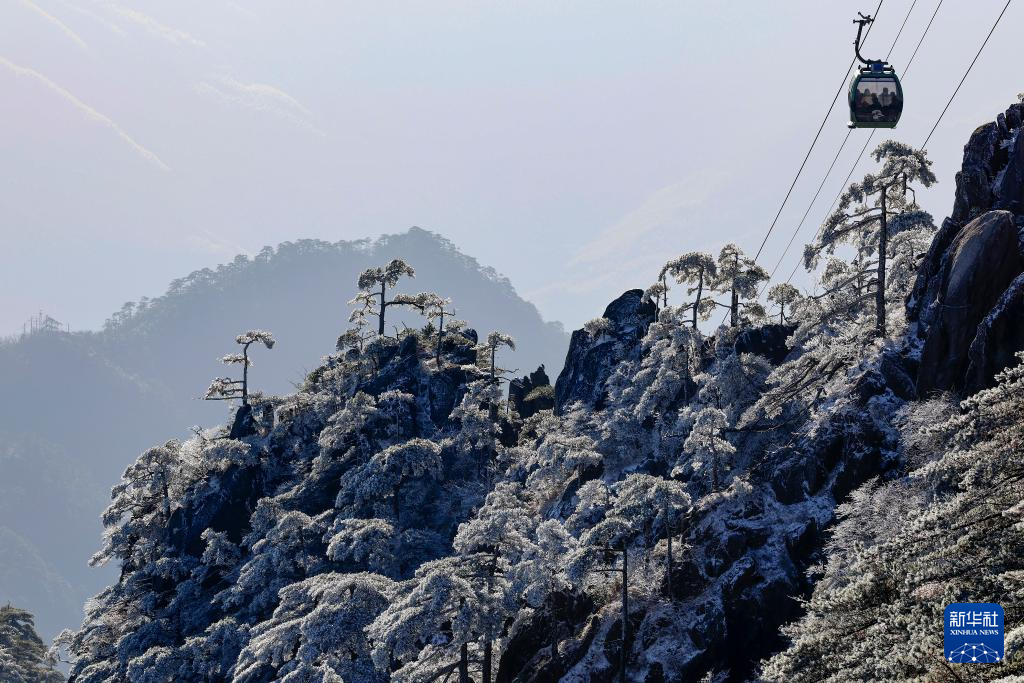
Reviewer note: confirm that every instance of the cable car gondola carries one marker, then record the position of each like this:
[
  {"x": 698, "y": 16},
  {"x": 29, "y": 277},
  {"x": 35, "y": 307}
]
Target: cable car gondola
[{"x": 876, "y": 96}]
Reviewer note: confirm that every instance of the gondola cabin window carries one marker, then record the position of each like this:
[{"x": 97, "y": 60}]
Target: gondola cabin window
[{"x": 875, "y": 101}]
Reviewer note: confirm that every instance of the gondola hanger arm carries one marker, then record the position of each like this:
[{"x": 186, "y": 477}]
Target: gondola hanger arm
[{"x": 865, "y": 19}]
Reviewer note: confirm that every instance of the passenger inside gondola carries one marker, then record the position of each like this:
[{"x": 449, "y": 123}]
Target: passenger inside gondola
[
  {"x": 876, "y": 102},
  {"x": 868, "y": 106}
]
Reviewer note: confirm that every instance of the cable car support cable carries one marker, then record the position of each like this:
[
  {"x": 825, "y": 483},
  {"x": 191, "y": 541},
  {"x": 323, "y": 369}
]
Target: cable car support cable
[
  {"x": 839, "y": 151},
  {"x": 813, "y": 143},
  {"x": 863, "y": 149},
  {"x": 973, "y": 61},
  {"x": 917, "y": 47}
]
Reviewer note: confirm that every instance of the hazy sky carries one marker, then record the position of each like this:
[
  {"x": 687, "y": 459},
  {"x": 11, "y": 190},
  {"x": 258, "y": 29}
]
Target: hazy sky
[{"x": 574, "y": 146}]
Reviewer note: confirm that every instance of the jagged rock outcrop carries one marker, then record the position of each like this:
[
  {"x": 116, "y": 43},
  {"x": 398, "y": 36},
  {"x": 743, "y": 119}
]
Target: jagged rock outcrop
[
  {"x": 532, "y": 393},
  {"x": 591, "y": 360},
  {"x": 964, "y": 297},
  {"x": 993, "y": 168}
]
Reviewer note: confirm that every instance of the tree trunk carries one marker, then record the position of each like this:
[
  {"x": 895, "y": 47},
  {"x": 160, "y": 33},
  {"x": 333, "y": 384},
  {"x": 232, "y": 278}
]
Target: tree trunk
[
  {"x": 734, "y": 304},
  {"x": 464, "y": 664},
  {"x": 487, "y": 662},
  {"x": 696, "y": 303},
  {"x": 440, "y": 338},
  {"x": 686, "y": 379},
  {"x": 245, "y": 374},
  {"x": 380, "y": 320},
  {"x": 883, "y": 246},
  {"x": 625, "y": 611},
  {"x": 554, "y": 645},
  {"x": 664, "y": 291}
]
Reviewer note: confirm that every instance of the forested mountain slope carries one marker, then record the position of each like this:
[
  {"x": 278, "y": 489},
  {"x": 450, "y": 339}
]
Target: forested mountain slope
[
  {"x": 77, "y": 408},
  {"x": 23, "y": 656},
  {"x": 397, "y": 519}
]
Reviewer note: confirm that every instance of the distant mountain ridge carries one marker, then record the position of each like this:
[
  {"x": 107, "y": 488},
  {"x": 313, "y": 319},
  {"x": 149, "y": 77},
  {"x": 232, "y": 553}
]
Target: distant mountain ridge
[
  {"x": 75, "y": 409},
  {"x": 241, "y": 293}
]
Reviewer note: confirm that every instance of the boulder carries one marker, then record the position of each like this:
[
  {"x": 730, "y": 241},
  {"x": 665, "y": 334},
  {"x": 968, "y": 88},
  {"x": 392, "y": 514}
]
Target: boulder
[
  {"x": 920, "y": 304},
  {"x": 980, "y": 263},
  {"x": 1000, "y": 336},
  {"x": 893, "y": 369},
  {"x": 523, "y": 657},
  {"x": 590, "y": 361},
  {"x": 631, "y": 313},
  {"x": 444, "y": 391},
  {"x": 768, "y": 341}
]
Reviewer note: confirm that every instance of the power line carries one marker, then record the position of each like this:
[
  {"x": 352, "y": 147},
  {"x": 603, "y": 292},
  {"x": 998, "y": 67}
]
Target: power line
[{"x": 973, "y": 61}]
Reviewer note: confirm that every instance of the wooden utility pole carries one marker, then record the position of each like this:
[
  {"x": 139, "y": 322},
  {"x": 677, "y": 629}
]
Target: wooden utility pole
[
  {"x": 464, "y": 664},
  {"x": 624, "y": 570},
  {"x": 668, "y": 557},
  {"x": 625, "y": 610}
]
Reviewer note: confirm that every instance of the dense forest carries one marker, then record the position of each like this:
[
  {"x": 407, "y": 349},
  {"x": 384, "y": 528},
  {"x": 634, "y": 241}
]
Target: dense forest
[
  {"x": 23, "y": 656},
  {"x": 144, "y": 372},
  {"x": 793, "y": 497}
]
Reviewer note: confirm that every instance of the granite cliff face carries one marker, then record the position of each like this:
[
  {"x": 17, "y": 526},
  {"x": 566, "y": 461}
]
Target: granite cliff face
[{"x": 966, "y": 304}]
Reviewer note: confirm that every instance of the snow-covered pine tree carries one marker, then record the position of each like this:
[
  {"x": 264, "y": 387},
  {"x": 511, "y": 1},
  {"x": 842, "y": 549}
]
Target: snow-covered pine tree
[
  {"x": 698, "y": 270},
  {"x": 489, "y": 353},
  {"x": 438, "y": 620},
  {"x": 649, "y": 502},
  {"x": 137, "y": 521},
  {"x": 784, "y": 295},
  {"x": 224, "y": 388},
  {"x": 435, "y": 307},
  {"x": 739, "y": 277},
  {"x": 374, "y": 283},
  {"x": 23, "y": 657},
  {"x": 318, "y": 632},
  {"x": 390, "y": 470},
  {"x": 706, "y": 449},
  {"x": 867, "y": 217}
]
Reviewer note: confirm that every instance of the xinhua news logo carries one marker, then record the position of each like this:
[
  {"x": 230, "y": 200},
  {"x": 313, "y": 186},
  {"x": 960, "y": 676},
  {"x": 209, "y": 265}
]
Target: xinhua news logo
[{"x": 974, "y": 633}]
